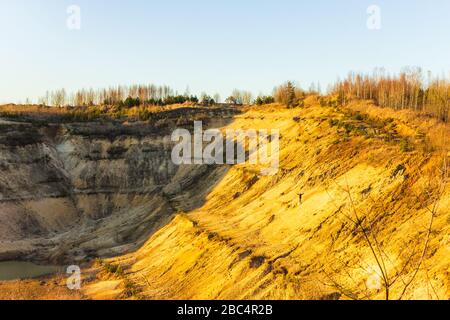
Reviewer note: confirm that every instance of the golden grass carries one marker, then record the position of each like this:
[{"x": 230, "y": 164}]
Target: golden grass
[{"x": 412, "y": 124}]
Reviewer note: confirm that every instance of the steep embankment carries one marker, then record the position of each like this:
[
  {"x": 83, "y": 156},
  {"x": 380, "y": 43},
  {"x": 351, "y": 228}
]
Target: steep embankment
[
  {"x": 253, "y": 239},
  {"x": 73, "y": 191}
]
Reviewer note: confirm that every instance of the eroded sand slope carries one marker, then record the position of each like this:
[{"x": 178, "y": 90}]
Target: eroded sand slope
[
  {"x": 252, "y": 239},
  {"x": 70, "y": 192}
]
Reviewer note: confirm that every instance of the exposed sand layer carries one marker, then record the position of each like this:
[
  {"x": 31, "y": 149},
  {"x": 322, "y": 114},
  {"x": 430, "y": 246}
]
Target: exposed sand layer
[
  {"x": 253, "y": 239},
  {"x": 243, "y": 235},
  {"x": 70, "y": 192}
]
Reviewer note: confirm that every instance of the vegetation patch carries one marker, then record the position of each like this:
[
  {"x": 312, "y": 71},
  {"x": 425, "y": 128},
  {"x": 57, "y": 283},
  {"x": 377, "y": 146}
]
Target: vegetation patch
[{"x": 257, "y": 261}]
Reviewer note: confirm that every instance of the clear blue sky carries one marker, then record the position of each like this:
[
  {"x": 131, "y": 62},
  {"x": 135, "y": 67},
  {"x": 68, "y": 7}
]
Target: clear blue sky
[{"x": 212, "y": 45}]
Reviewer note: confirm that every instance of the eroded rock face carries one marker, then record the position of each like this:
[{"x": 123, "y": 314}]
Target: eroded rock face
[{"x": 71, "y": 192}]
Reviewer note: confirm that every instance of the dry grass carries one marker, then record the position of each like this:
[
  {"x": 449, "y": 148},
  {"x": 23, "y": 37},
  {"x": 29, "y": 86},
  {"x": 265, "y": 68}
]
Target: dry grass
[{"x": 432, "y": 133}]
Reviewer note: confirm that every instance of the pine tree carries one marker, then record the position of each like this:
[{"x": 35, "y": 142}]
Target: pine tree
[{"x": 291, "y": 99}]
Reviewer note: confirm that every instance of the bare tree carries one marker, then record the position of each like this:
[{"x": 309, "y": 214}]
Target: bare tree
[
  {"x": 366, "y": 225},
  {"x": 217, "y": 98},
  {"x": 238, "y": 96},
  {"x": 59, "y": 98},
  {"x": 407, "y": 90},
  {"x": 247, "y": 97}
]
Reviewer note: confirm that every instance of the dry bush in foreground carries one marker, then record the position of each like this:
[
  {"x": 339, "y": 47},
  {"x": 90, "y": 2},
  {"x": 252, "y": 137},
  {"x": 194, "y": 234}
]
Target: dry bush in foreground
[{"x": 393, "y": 275}]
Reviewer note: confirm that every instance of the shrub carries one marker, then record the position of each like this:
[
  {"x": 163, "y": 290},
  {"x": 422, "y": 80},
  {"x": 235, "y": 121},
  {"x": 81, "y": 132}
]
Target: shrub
[
  {"x": 264, "y": 100},
  {"x": 131, "y": 102},
  {"x": 405, "y": 146},
  {"x": 130, "y": 289},
  {"x": 333, "y": 122},
  {"x": 116, "y": 270}
]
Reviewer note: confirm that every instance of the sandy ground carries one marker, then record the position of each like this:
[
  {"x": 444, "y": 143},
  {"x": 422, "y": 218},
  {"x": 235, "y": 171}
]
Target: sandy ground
[
  {"x": 45, "y": 289},
  {"x": 253, "y": 239}
]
